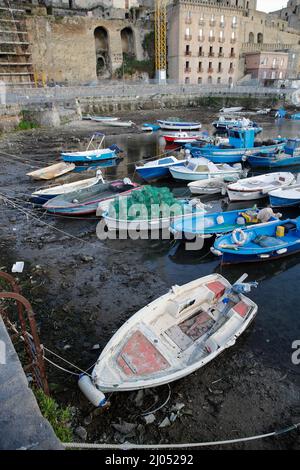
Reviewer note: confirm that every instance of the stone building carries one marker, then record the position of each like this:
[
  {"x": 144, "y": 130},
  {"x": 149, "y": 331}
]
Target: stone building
[
  {"x": 74, "y": 42},
  {"x": 291, "y": 14},
  {"x": 267, "y": 67},
  {"x": 208, "y": 40}
]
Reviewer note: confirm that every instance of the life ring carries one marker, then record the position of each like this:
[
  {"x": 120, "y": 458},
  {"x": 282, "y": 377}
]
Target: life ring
[{"x": 241, "y": 239}]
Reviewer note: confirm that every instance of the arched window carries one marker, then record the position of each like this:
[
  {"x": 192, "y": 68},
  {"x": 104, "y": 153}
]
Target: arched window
[
  {"x": 260, "y": 38},
  {"x": 127, "y": 39},
  {"x": 251, "y": 38},
  {"x": 102, "y": 51}
]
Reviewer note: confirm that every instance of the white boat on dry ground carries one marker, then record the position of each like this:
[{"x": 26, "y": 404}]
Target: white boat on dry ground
[
  {"x": 117, "y": 123},
  {"x": 52, "y": 171},
  {"x": 258, "y": 187},
  {"x": 175, "y": 335},
  {"x": 236, "y": 109}
]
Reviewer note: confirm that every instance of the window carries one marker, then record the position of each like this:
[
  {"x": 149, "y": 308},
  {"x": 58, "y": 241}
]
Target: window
[
  {"x": 199, "y": 80},
  {"x": 200, "y": 51},
  {"x": 187, "y": 80},
  {"x": 280, "y": 75},
  {"x": 187, "y": 65},
  {"x": 187, "y": 31},
  {"x": 219, "y": 80},
  {"x": 211, "y": 53},
  {"x": 220, "y": 67},
  {"x": 265, "y": 75},
  {"x": 209, "y": 80},
  {"x": 211, "y": 33},
  {"x": 200, "y": 33}
]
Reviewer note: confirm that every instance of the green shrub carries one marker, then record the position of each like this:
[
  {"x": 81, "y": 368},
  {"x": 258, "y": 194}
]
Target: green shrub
[
  {"x": 26, "y": 125},
  {"x": 58, "y": 417}
]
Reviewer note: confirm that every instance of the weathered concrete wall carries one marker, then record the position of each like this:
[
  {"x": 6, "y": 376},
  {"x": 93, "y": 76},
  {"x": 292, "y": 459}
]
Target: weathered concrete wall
[
  {"x": 21, "y": 424},
  {"x": 64, "y": 47},
  {"x": 10, "y": 117}
]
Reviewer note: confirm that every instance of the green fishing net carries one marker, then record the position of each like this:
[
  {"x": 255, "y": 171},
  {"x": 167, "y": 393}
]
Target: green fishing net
[{"x": 146, "y": 203}]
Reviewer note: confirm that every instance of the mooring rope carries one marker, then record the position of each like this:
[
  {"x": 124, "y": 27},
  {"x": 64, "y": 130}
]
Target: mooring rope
[{"x": 131, "y": 446}]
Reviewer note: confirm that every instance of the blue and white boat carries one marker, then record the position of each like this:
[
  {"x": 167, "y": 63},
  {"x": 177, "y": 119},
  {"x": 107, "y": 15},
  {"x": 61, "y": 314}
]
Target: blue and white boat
[
  {"x": 285, "y": 197},
  {"x": 45, "y": 194},
  {"x": 290, "y": 155},
  {"x": 197, "y": 169},
  {"x": 150, "y": 127},
  {"x": 95, "y": 155},
  {"x": 260, "y": 243},
  {"x": 295, "y": 117},
  {"x": 217, "y": 223},
  {"x": 241, "y": 142},
  {"x": 158, "y": 169},
  {"x": 175, "y": 124},
  {"x": 224, "y": 123}
]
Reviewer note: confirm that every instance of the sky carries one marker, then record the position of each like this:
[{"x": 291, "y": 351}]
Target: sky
[{"x": 271, "y": 5}]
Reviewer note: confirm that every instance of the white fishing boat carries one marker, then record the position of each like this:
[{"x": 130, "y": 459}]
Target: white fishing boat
[
  {"x": 202, "y": 169},
  {"x": 45, "y": 194},
  {"x": 103, "y": 118},
  {"x": 173, "y": 336},
  {"x": 258, "y": 187},
  {"x": 117, "y": 123},
  {"x": 52, "y": 171},
  {"x": 209, "y": 187},
  {"x": 236, "y": 109},
  {"x": 176, "y": 124},
  {"x": 286, "y": 197}
]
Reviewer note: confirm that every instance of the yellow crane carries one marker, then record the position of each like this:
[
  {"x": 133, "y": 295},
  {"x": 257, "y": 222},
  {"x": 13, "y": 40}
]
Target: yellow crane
[{"x": 161, "y": 39}]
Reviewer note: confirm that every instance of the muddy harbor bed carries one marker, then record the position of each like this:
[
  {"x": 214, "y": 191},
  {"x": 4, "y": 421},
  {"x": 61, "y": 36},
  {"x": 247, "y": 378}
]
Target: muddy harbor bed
[{"x": 82, "y": 291}]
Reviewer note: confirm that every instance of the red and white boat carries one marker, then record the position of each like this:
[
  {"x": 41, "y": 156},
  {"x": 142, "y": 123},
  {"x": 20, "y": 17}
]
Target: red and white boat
[{"x": 182, "y": 136}]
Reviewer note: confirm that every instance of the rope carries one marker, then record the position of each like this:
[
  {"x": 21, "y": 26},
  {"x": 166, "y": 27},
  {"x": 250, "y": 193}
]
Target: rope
[{"x": 128, "y": 446}]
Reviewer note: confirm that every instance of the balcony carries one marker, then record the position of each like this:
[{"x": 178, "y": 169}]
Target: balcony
[
  {"x": 211, "y": 54},
  {"x": 187, "y": 53},
  {"x": 221, "y": 54},
  {"x": 187, "y": 70},
  {"x": 188, "y": 21},
  {"x": 201, "y": 54},
  {"x": 212, "y": 23},
  {"x": 231, "y": 71},
  {"x": 188, "y": 37},
  {"x": 211, "y": 38},
  {"x": 234, "y": 25},
  {"x": 222, "y": 24},
  {"x": 200, "y": 70},
  {"x": 221, "y": 40},
  {"x": 232, "y": 55},
  {"x": 201, "y": 22},
  {"x": 220, "y": 70},
  {"x": 201, "y": 38},
  {"x": 233, "y": 40},
  {"x": 210, "y": 70}
]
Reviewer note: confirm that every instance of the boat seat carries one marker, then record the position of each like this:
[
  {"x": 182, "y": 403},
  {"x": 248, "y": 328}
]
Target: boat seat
[
  {"x": 176, "y": 307},
  {"x": 178, "y": 337},
  {"x": 268, "y": 242}
]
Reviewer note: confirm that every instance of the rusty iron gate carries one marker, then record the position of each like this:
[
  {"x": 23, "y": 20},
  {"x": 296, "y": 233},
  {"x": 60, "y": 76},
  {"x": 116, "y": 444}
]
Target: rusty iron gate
[{"x": 26, "y": 330}]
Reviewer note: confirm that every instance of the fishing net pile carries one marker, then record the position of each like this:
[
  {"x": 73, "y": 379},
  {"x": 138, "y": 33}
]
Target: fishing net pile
[{"x": 146, "y": 203}]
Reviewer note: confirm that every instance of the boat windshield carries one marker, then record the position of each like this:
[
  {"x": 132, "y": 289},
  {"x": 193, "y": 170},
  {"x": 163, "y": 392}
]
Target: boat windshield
[
  {"x": 192, "y": 166},
  {"x": 165, "y": 161}
]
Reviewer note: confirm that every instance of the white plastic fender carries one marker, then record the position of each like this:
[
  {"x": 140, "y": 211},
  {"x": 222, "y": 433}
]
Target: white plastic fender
[
  {"x": 95, "y": 396},
  {"x": 239, "y": 241},
  {"x": 215, "y": 252}
]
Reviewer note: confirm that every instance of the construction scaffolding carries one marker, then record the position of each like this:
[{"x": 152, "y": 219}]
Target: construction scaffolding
[{"x": 161, "y": 40}]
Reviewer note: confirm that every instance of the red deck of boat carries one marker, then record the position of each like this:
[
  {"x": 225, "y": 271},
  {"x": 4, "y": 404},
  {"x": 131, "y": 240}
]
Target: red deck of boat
[
  {"x": 217, "y": 288},
  {"x": 241, "y": 308},
  {"x": 140, "y": 357}
]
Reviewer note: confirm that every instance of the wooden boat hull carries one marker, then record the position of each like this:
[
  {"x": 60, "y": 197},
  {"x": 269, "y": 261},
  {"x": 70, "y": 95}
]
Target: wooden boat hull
[
  {"x": 157, "y": 346},
  {"x": 52, "y": 171}
]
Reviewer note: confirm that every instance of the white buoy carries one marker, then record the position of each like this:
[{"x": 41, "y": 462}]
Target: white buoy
[{"x": 95, "y": 396}]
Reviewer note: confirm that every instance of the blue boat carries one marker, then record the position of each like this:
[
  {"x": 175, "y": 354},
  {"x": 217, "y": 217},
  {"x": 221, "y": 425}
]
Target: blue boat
[
  {"x": 241, "y": 142},
  {"x": 158, "y": 169},
  {"x": 295, "y": 117},
  {"x": 285, "y": 197},
  {"x": 288, "y": 156},
  {"x": 260, "y": 243},
  {"x": 95, "y": 155},
  {"x": 150, "y": 127},
  {"x": 208, "y": 225}
]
